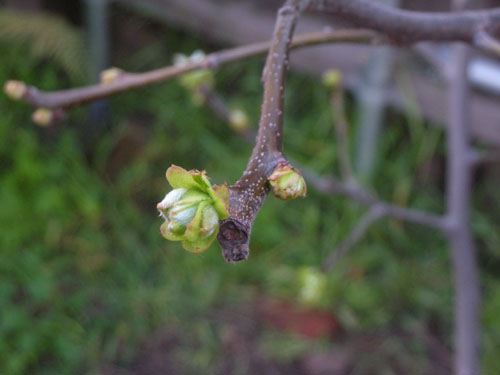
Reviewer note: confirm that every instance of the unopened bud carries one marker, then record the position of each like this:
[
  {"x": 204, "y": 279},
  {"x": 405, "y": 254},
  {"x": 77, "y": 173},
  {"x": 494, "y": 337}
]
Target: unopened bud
[
  {"x": 15, "y": 89},
  {"x": 312, "y": 285},
  {"x": 332, "y": 78},
  {"x": 180, "y": 59},
  {"x": 197, "y": 56},
  {"x": 111, "y": 75},
  {"x": 287, "y": 182},
  {"x": 43, "y": 117},
  {"x": 193, "y": 209},
  {"x": 193, "y": 80},
  {"x": 238, "y": 120}
]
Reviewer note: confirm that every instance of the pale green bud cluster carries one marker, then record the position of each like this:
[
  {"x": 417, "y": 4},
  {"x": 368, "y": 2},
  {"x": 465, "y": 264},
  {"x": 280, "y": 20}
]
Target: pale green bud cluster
[
  {"x": 193, "y": 209},
  {"x": 195, "y": 79},
  {"x": 287, "y": 182}
]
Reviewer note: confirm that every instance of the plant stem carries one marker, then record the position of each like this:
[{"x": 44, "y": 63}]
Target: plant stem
[
  {"x": 65, "y": 99},
  {"x": 464, "y": 262},
  {"x": 249, "y": 193}
]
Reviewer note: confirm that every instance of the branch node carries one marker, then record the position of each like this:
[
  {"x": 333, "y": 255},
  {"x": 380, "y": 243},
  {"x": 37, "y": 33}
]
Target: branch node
[{"x": 233, "y": 237}]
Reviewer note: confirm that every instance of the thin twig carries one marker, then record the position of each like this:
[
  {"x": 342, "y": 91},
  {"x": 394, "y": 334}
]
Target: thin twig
[
  {"x": 484, "y": 156},
  {"x": 484, "y": 41},
  {"x": 463, "y": 254},
  {"x": 213, "y": 101},
  {"x": 375, "y": 213},
  {"x": 65, "y": 99},
  {"x": 331, "y": 185},
  {"x": 248, "y": 194}
]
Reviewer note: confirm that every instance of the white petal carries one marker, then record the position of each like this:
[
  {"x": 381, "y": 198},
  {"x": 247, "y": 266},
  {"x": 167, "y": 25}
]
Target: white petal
[
  {"x": 180, "y": 59},
  {"x": 210, "y": 220},
  {"x": 197, "y": 56},
  {"x": 171, "y": 198},
  {"x": 183, "y": 215}
]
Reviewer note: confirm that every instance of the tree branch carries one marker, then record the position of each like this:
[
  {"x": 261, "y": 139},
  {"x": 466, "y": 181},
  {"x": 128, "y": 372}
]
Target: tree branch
[
  {"x": 330, "y": 185},
  {"x": 247, "y": 195},
  {"x": 404, "y": 26},
  {"x": 484, "y": 156},
  {"x": 65, "y": 99},
  {"x": 459, "y": 183},
  {"x": 375, "y": 213}
]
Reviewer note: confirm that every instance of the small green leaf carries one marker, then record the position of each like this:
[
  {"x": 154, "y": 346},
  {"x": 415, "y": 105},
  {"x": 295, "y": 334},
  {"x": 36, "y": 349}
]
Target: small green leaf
[
  {"x": 202, "y": 180},
  {"x": 180, "y": 178},
  {"x": 169, "y": 235},
  {"x": 223, "y": 193},
  {"x": 201, "y": 245},
  {"x": 220, "y": 196},
  {"x": 193, "y": 229}
]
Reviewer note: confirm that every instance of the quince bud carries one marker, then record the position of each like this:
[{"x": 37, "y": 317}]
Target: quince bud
[
  {"x": 43, "y": 117},
  {"x": 287, "y": 182},
  {"x": 15, "y": 89},
  {"x": 193, "y": 80},
  {"x": 238, "y": 120},
  {"x": 46, "y": 117},
  {"x": 193, "y": 209},
  {"x": 111, "y": 75},
  {"x": 332, "y": 78},
  {"x": 312, "y": 286}
]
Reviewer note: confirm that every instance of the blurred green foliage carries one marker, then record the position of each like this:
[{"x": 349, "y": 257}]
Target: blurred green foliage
[
  {"x": 85, "y": 275},
  {"x": 46, "y": 37}
]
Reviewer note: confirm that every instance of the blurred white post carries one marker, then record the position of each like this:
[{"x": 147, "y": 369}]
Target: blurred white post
[{"x": 371, "y": 101}]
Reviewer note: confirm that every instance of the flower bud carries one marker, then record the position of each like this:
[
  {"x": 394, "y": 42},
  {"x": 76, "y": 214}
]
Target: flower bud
[
  {"x": 111, "y": 75},
  {"x": 312, "y": 285},
  {"x": 193, "y": 209},
  {"x": 193, "y": 80},
  {"x": 43, "y": 117},
  {"x": 238, "y": 120},
  {"x": 15, "y": 89},
  {"x": 287, "y": 182},
  {"x": 332, "y": 78}
]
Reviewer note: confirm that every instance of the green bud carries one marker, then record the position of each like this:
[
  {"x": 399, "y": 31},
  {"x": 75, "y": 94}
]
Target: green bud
[
  {"x": 332, "y": 78},
  {"x": 111, "y": 75},
  {"x": 238, "y": 120},
  {"x": 43, "y": 117},
  {"x": 192, "y": 210},
  {"x": 312, "y": 285},
  {"x": 287, "y": 182},
  {"x": 193, "y": 80}
]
